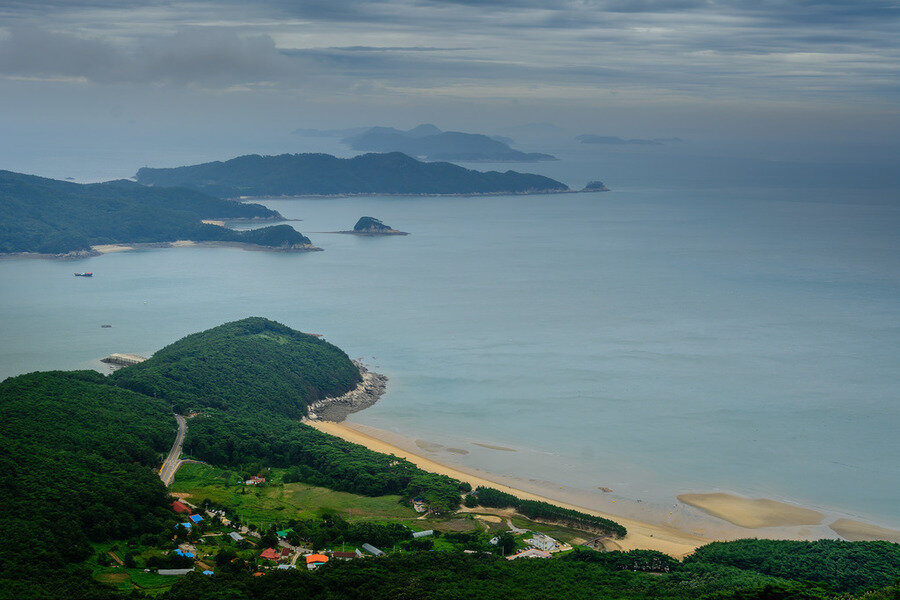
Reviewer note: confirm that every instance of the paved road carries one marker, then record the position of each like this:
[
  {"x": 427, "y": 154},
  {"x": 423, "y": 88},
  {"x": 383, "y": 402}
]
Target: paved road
[{"x": 173, "y": 460}]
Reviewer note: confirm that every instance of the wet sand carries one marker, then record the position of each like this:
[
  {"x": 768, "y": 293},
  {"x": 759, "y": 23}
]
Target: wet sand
[
  {"x": 640, "y": 534},
  {"x": 856, "y": 531},
  {"x": 752, "y": 513}
]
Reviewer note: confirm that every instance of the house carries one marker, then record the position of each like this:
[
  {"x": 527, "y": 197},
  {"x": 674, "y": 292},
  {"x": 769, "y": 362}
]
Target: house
[
  {"x": 344, "y": 555},
  {"x": 372, "y": 550},
  {"x": 421, "y": 534},
  {"x": 184, "y": 553},
  {"x": 314, "y": 561},
  {"x": 530, "y": 553},
  {"x": 255, "y": 480},
  {"x": 542, "y": 542},
  {"x": 284, "y": 532},
  {"x": 207, "y": 572},
  {"x": 185, "y": 525},
  {"x": 286, "y": 567},
  {"x": 235, "y": 536},
  {"x": 270, "y": 554},
  {"x": 181, "y": 507},
  {"x": 195, "y": 518},
  {"x": 285, "y": 553}
]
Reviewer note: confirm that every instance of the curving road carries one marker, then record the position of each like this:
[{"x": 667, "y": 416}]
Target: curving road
[{"x": 173, "y": 460}]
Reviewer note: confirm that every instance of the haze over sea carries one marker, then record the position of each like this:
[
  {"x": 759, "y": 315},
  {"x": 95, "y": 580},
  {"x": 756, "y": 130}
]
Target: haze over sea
[{"x": 716, "y": 322}]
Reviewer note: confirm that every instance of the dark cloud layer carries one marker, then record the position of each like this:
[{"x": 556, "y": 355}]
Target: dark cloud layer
[{"x": 822, "y": 53}]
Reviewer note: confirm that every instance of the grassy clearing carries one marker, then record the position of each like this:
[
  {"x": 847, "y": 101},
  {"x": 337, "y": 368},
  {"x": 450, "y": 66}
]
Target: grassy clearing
[{"x": 277, "y": 502}]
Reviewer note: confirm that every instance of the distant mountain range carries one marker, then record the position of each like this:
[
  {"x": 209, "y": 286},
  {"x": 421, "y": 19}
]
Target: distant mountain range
[
  {"x": 429, "y": 142},
  {"x": 58, "y": 217},
  {"x": 323, "y": 174},
  {"x": 612, "y": 140}
]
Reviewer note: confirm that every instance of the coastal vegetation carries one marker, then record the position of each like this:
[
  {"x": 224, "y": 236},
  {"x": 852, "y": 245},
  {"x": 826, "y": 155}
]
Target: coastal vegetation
[
  {"x": 59, "y": 217},
  {"x": 85, "y": 513},
  {"x": 249, "y": 367},
  {"x": 323, "y": 174},
  {"x": 544, "y": 511}
]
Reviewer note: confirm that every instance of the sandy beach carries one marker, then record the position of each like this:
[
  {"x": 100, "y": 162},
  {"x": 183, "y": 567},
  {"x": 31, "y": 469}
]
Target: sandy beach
[
  {"x": 640, "y": 534},
  {"x": 857, "y": 531},
  {"x": 752, "y": 513}
]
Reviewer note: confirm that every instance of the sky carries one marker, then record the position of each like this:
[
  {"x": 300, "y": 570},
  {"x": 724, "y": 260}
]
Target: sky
[{"x": 814, "y": 70}]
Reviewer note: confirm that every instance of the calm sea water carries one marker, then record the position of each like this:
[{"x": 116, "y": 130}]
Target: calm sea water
[{"x": 712, "y": 324}]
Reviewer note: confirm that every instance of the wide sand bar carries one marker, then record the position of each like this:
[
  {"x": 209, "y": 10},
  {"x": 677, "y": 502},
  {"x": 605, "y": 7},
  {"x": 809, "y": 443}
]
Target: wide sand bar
[
  {"x": 752, "y": 512},
  {"x": 855, "y": 531}
]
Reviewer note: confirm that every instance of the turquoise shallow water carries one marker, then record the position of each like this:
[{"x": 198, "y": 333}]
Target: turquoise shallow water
[{"x": 661, "y": 338}]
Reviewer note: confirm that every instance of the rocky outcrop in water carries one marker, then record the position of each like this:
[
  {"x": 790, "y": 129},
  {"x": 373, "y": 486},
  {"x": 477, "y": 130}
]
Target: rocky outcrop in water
[{"x": 364, "y": 395}]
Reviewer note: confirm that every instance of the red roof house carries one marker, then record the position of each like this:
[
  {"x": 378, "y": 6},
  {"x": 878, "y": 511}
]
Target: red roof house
[
  {"x": 270, "y": 554},
  {"x": 180, "y": 507}
]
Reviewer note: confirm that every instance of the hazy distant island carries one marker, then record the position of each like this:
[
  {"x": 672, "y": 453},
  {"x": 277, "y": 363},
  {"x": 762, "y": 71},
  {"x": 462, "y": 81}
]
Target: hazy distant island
[
  {"x": 326, "y": 175},
  {"x": 612, "y": 140},
  {"x": 372, "y": 227},
  {"x": 429, "y": 142},
  {"x": 63, "y": 219}
]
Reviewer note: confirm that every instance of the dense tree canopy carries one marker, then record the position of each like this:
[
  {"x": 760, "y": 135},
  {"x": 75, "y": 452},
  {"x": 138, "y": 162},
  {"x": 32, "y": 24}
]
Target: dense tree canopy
[
  {"x": 74, "y": 453},
  {"x": 248, "y": 366}
]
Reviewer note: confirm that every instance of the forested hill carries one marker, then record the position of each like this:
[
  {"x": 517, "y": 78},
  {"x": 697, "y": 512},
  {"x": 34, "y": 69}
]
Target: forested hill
[
  {"x": 57, "y": 217},
  {"x": 323, "y": 174},
  {"x": 249, "y": 366},
  {"x": 76, "y": 455}
]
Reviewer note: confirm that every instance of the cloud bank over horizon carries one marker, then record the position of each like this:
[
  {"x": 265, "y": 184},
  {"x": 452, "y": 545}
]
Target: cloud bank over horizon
[{"x": 803, "y": 65}]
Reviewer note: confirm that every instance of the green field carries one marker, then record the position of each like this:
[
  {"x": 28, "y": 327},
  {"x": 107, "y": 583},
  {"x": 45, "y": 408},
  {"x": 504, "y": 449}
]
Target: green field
[{"x": 277, "y": 502}]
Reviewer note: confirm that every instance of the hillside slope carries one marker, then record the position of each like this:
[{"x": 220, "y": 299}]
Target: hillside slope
[{"x": 323, "y": 174}]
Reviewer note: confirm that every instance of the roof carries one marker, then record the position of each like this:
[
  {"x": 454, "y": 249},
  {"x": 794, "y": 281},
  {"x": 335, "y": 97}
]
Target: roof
[
  {"x": 195, "y": 518},
  {"x": 284, "y": 532},
  {"x": 316, "y": 558},
  {"x": 235, "y": 536},
  {"x": 180, "y": 507},
  {"x": 173, "y": 571},
  {"x": 530, "y": 553},
  {"x": 343, "y": 554},
  {"x": 372, "y": 550},
  {"x": 185, "y": 554},
  {"x": 207, "y": 572},
  {"x": 285, "y": 567},
  {"x": 421, "y": 534},
  {"x": 188, "y": 525},
  {"x": 270, "y": 553}
]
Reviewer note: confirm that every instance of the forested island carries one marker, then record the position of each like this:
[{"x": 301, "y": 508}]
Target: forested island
[
  {"x": 47, "y": 216},
  {"x": 86, "y": 515},
  {"x": 372, "y": 227},
  {"x": 324, "y": 175},
  {"x": 431, "y": 143}
]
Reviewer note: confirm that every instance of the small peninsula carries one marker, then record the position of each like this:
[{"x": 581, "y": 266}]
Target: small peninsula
[
  {"x": 48, "y": 217},
  {"x": 430, "y": 143},
  {"x": 393, "y": 173},
  {"x": 372, "y": 227}
]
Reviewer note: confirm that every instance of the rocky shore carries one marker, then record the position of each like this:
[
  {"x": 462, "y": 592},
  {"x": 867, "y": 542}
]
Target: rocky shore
[{"x": 364, "y": 395}]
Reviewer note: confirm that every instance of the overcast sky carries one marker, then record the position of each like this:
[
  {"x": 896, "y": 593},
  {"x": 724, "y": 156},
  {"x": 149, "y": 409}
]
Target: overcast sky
[{"x": 817, "y": 68}]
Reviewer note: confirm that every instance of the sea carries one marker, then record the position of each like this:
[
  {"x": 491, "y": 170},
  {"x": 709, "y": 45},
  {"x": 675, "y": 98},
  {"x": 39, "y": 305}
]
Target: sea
[{"x": 724, "y": 319}]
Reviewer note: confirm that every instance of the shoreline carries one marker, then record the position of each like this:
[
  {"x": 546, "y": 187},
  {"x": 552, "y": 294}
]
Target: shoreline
[
  {"x": 365, "y": 394},
  {"x": 413, "y": 195},
  {"x": 125, "y": 247},
  {"x": 641, "y": 535},
  {"x": 673, "y": 529}
]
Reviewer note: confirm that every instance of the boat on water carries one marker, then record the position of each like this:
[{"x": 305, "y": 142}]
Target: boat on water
[{"x": 88, "y": 274}]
